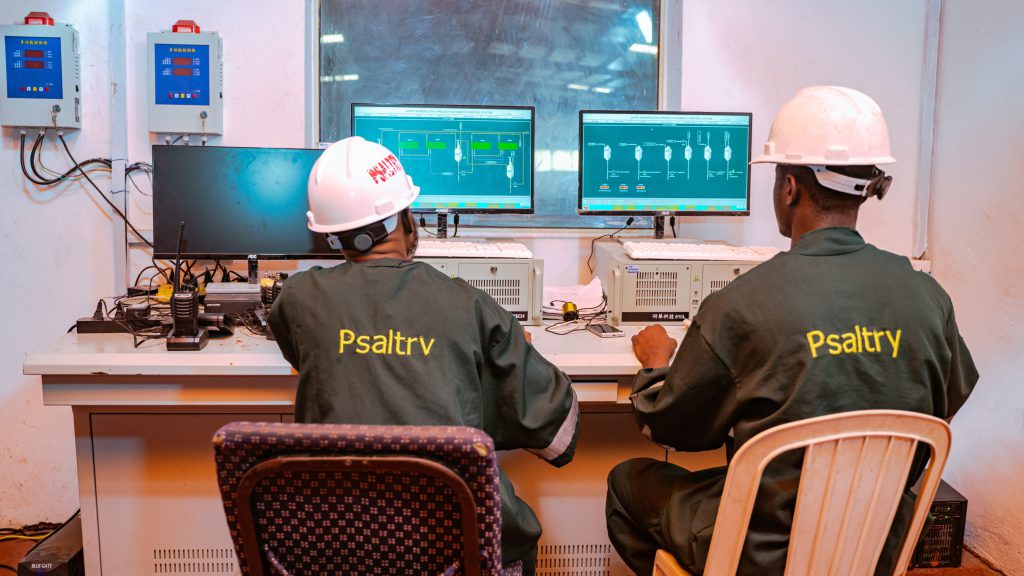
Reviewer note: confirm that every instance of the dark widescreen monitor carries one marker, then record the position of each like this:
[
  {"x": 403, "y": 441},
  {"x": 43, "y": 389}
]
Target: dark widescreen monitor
[
  {"x": 468, "y": 159},
  {"x": 657, "y": 162},
  {"x": 235, "y": 202}
]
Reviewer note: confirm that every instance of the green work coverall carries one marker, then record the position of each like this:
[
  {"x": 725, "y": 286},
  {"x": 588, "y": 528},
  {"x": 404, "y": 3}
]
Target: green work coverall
[
  {"x": 833, "y": 325},
  {"x": 397, "y": 342}
]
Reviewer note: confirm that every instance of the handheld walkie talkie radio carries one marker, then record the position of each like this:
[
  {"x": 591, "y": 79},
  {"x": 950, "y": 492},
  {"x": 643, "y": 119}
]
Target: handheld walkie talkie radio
[
  {"x": 187, "y": 334},
  {"x": 270, "y": 289}
]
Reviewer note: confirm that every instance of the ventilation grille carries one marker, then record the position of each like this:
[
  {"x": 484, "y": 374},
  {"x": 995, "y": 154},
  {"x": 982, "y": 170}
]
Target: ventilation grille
[
  {"x": 716, "y": 285},
  {"x": 194, "y": 561},
  {"x": 574, "y": 560},
  {"x": 673, "y": 276},
  {"x": 657, "y": 289},
  {"x": 506, "y": 292}
]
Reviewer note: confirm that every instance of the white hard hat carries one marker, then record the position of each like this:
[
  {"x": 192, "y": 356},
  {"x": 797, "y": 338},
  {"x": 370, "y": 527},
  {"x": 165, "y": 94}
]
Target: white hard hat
[
  {"x": 828, "y": 126},
  {"x": 355, "y": 183}
]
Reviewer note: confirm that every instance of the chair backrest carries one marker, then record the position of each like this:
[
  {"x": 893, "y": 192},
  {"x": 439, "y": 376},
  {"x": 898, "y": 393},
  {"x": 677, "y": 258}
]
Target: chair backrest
[
  {"x": 354, "y": 499},
  {"x": 854, "y": 473}
]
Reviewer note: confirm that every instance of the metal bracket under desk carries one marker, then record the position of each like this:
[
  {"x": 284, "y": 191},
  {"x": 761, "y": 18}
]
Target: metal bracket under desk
[{"x": 603, "y": 393}]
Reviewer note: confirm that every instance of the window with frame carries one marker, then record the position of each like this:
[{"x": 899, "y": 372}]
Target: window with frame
[{"x": 560, "y": 56}]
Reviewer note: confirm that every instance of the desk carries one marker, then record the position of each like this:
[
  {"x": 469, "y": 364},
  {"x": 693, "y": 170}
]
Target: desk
[{"x": 144, "y": 419}]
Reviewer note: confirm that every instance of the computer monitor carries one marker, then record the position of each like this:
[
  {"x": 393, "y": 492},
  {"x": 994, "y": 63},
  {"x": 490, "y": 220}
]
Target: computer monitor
[
  {"x": 654, "y": 163},
  {"x": 235, "y": 202},
  {"x": 465, "y": 159}
]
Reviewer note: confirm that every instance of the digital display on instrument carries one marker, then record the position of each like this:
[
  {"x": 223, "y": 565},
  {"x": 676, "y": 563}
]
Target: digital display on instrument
[
  {"x": 34, "y": 67},
  {"x": 182, "y": 74}
]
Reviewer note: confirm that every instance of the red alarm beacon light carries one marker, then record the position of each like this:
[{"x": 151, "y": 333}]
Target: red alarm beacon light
[
  {"x": 39, "y": 18},
  {"x": 186, "y": 27}
]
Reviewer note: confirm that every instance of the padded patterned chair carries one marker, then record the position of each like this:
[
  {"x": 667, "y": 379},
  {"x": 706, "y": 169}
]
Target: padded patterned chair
[{"x": 351, "y": 499}]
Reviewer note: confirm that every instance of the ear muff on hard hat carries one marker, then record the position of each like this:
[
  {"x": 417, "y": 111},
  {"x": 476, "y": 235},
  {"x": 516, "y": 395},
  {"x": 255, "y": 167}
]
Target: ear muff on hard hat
[
  {"x": 363, "y": 239},
  {"x": 877, "y": 185}
]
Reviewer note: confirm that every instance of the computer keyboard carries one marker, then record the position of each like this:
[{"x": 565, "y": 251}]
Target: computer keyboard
[
  {"x": 433, "y": 248},
  {"x": 682, "y": 251}
]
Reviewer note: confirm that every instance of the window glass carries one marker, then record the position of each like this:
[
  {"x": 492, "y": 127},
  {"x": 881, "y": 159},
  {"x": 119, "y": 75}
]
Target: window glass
[{"x": 560, "y": 56}]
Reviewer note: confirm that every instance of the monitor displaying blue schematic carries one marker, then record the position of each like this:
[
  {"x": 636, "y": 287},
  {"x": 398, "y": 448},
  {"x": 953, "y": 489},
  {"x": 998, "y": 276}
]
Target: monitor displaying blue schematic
[
  {"x": 693, "y": 163},
  {"x": 468, "y": 159}
]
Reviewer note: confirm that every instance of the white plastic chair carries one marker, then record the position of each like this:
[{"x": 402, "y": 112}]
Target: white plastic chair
[{"x": 855, "y": 468}]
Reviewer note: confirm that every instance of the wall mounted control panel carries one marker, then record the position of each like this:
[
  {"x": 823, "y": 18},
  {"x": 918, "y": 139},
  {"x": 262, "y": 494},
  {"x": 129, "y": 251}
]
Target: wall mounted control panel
[
  {"x": 185, "y": 83},
  {"x": 40, "y": 76}
]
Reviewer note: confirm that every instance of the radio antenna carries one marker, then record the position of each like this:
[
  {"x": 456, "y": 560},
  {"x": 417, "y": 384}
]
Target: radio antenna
[{"x": 177, "y": 261}]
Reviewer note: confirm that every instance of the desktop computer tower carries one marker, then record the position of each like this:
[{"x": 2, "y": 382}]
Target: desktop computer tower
[
  {"x": 662, "y": 291},
  {"x": 515, "y": 284},
  {"x": 941, "y": 544}
]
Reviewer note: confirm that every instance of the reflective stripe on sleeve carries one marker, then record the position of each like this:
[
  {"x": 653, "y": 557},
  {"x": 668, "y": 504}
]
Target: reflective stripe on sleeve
[{"x": 560, "y": 443}]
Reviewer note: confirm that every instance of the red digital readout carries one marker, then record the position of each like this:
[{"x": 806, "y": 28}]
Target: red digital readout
[
  {"x": 33, "y": 53},
  {"x": 182, "y": 61},
  {"x": 182, "y": 71},
  {"x": 34, "y": 64}
]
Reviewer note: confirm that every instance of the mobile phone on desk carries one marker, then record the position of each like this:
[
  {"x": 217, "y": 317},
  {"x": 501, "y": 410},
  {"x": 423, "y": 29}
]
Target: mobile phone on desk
[{"x": 605, "y": 330}]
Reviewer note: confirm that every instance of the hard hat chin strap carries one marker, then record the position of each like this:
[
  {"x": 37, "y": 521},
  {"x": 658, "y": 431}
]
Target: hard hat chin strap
[
  {"x": 877, "y": 185},
  {"x": 365, "y": 238}
]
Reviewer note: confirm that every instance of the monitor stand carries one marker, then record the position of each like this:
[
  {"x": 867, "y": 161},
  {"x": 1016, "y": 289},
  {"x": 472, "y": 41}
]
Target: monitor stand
[
  {"x": 254, "y": 269},
  {"x": 659, "y": 227},
  {"x": 442, "y": 226}
]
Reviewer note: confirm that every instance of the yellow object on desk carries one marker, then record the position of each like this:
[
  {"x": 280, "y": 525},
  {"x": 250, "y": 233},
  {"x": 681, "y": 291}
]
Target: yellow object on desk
[{"x": 164, "y": 292}]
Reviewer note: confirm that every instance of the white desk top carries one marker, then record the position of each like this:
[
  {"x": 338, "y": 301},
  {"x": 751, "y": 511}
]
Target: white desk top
[{"x": 578, "y": 354}]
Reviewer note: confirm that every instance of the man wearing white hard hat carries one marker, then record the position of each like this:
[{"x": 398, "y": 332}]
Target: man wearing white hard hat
[
  {"x": 381, "y": 339},
  {"x": 832, "y": 325}
]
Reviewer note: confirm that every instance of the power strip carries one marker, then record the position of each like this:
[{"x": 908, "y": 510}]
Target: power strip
[{"x": 136, "y": 317}]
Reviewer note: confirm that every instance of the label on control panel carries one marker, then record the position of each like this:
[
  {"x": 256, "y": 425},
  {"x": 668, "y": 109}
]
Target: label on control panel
[
  {"x": 33, "y": 67},
  {"x": 521, "y": 316},
  {"x": 182, "y": 74},
  {"x": 655, "y": 316}
]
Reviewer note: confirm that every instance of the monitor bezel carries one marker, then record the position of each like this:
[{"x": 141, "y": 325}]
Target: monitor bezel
[
  {"x": 533, "y": 157},
  {"x": 579, "y": 192},
  {"x": 336, "y": 255}
]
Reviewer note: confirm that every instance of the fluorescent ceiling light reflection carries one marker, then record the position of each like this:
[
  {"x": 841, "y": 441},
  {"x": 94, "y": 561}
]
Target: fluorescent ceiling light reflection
[
  {"x": 644, "y": 49},
  {"x": 337, "y": 39},
  {"x": 556, "y": 160},
  {"x": 643, "y": 20},
  {"x": 603, "y": 90},
  {"x": 339, "y": 78},
  {"x": 577, "y": 87}
]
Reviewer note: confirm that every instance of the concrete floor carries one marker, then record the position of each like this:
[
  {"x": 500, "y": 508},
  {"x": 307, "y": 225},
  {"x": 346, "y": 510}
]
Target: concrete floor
[{"x": 11, "y": 552}]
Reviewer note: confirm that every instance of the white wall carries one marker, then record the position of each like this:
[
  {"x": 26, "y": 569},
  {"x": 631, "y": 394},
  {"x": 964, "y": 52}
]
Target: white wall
[
  {"x": 56, "y": 251},
  {"x": 746, "y": 55},
  {"x": 977, "y": 218}
]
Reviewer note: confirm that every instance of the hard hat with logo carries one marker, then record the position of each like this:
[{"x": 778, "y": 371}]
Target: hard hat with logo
[
  {"x": 354, "y": 184},
  {"x": 825, "y": 126}
]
